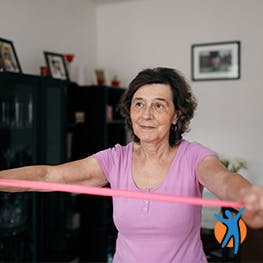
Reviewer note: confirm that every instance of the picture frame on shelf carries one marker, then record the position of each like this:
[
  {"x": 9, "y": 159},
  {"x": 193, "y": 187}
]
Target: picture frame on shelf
[
  {"x": 8, "y": 57},
  {"x": 56, "y": 65},
  {"x": 215, "y": 61}
]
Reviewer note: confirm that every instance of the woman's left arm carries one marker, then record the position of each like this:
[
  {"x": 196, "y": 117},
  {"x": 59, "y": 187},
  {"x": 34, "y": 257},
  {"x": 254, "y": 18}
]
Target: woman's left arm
[{"x": 226, "y": 185}]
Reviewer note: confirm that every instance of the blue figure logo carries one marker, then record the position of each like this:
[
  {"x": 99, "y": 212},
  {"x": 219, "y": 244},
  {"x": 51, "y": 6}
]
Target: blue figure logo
[{"x": 233, "y": 230}]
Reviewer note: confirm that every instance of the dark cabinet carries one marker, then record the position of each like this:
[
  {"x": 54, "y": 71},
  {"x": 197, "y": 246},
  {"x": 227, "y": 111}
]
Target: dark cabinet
[
  {"x": 18, "y": 146},
  {"x": 94, "y": 120},
  {"x": 33, "y": 226},
  {"x": 95, "y": 124},
  {"x": 251, "y": 250},
  {"x": 57, "y": 214},
  {"x": 49, "y": 121}
]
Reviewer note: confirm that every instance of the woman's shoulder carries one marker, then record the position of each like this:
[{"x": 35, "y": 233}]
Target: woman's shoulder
[
  {"x": 194, "y": 152},
  {"x": 121, "y": 148},
  {"x": 113, "y": 156},
  {"x": 193, "y": 147},
  {"x": 116, "y": 150}
]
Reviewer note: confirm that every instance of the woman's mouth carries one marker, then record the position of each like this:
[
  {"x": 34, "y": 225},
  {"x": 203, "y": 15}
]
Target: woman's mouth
[{"x": 147, "y": 127}]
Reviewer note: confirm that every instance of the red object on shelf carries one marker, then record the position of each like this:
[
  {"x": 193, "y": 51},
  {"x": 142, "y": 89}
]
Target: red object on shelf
[
  {"x": 44, "y": 71},
  {"x": 100, "y": 82},
  {"x": 69, "y": 57},
  {"x": 115, "y": 81}
]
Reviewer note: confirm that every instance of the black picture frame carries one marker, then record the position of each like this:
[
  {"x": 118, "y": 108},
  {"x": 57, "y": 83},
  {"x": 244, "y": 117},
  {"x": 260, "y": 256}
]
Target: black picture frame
[
  {"x": 8, "y": 57},
  {"x": 57, "y": 66},
  {"x": 216, "y": 61}
]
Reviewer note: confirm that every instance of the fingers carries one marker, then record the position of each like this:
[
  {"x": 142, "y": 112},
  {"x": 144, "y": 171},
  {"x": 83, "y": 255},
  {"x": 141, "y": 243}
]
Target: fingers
[{"x": 252, "y": 198}]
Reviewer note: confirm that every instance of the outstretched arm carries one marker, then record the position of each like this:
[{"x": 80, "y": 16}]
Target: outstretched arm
[
  {"x": 233, "y": 187},
  {"x": 85, "y": 171}
]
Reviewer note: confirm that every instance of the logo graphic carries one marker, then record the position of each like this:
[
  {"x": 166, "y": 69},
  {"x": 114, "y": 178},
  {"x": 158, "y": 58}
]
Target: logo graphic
[{"x": 230, "y": 231}]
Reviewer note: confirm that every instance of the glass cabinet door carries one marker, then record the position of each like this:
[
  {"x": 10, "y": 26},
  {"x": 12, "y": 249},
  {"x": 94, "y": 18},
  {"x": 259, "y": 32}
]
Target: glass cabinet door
[
  {"x": 17, "y": 127},
  {"x": 18, "y": 147}
]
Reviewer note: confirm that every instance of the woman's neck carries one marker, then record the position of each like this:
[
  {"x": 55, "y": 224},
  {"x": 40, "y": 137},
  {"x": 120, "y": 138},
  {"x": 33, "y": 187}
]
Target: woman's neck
[{"x": 153, "y": 151}]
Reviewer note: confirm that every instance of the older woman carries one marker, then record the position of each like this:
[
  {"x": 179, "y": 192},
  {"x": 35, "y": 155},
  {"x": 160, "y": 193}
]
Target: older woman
[{"x": 158, "y": 106}]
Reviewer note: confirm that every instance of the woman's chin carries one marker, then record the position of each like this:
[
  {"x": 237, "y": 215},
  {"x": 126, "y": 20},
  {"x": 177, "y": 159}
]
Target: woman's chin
[{"x": 149, "y": 139}]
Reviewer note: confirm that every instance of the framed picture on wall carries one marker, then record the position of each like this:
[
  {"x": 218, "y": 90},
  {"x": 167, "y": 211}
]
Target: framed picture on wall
[
  {"x": 57, "y": 65},
  {"x": 8, "y": 58},
  {"x": 216, "y": 61}
]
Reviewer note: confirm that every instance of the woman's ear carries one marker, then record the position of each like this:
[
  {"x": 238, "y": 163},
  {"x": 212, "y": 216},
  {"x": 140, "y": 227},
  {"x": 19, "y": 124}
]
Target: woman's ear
[{"x": 175, "y": 118}]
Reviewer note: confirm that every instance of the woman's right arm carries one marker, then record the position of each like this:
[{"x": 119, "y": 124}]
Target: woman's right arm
[{"x": 86, "y": 171}]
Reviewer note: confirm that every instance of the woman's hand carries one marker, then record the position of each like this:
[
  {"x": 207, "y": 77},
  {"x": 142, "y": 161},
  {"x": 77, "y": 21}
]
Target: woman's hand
[{"x": 252, "y": 197}]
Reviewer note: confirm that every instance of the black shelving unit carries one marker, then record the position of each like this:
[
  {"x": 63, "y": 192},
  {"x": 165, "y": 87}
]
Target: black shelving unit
[
  {"x": 49, "y": 121},
  {"x": 101, "y": 125},
  {"x": 34, "y": 227},
  {"x": 18, "y": 146},
  {"x": 95, "y": 124},
  {"x": 58, "y": 222}
]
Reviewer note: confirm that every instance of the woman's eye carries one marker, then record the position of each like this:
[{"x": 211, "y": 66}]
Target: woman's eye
[
  {"x": 138, "y": 104},
  {"x": 158, "y": 106}
]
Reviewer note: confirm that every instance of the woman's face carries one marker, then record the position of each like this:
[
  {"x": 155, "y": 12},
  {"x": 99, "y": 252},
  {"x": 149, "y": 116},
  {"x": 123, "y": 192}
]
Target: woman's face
[{"x": 152, "y": 113}]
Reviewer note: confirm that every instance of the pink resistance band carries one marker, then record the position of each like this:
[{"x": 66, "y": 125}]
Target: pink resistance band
[{"x": 102, "y": 191}]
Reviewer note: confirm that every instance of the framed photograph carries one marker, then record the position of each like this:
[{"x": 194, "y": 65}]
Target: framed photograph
[
  {"x": 216, "y": 61},
  {"x": 8, "y": 57},
  {"x": 57, "y": 65}
]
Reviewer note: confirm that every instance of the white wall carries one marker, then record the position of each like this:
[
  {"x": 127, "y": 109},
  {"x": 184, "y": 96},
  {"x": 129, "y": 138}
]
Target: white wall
[
  {"x": 61, "y": 26},
  {"x": 139, "y": 34},
  {"x": 125, "y": 37}
]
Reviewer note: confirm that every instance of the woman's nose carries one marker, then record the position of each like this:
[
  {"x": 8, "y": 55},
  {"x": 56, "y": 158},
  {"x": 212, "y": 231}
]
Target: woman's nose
[{"x": 147, "y": 112}]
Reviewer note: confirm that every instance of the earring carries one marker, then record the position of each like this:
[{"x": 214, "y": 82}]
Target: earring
[{"x": 173, "y": 127}]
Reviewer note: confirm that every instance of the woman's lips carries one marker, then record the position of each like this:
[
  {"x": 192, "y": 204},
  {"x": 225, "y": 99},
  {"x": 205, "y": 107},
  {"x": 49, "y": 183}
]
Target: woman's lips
[{"x": 146, "y": 127}]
